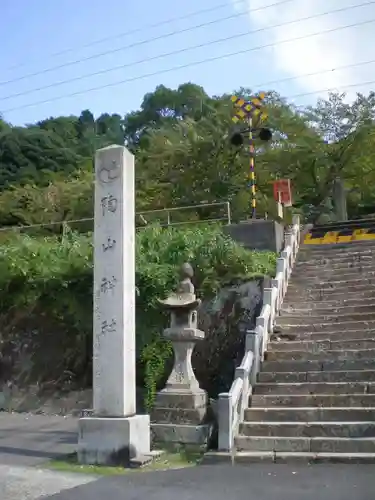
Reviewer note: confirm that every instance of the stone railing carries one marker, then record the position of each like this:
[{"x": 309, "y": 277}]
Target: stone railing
[{"x": 231, "y": 405}]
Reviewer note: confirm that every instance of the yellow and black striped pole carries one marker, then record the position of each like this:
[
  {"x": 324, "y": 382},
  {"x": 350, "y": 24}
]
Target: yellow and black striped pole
[
  {"x": 246, "y": 110},
  {"x": 252, "y": 169}
]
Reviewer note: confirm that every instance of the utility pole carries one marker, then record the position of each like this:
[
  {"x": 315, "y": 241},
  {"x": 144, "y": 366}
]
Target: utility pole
[{"x": 250, "y": 112}]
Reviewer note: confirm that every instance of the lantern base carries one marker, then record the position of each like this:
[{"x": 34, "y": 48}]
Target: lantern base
[{"x": 180, "y": 418}]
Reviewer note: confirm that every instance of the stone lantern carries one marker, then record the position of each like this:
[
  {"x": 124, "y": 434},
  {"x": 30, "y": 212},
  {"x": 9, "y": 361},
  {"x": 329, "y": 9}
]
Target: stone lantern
[{"x": 180, "y": 413}]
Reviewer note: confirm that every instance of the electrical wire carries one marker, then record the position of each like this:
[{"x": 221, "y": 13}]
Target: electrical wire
[
  {"x": 175, "y": 52},
  {"x": 152, "y": 26},
  {"x": 183, "y": 66},
  {"x": 168, "y": 35},
  {"x": 315, "y": 73},
  {"x": 129, "y": 46},
  {"x": 332, "y": 89}
]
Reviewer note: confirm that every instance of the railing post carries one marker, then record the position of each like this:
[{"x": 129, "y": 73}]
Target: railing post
[
  {"x": 275, "y": 285},
  {"x": 280, "y": 265},
  {"x": 267, "y": 299},
  {"x": 253, "y": 343},
  {"x": 281, "y": 268},
  {"x": 225, "y": 418},
  {"x": 242, "y": 374},
  {"x": 260, "y": 323},
  {"x": 296, "y": 220},
  {"x": 288, "y": 239},
  {"x": 297, "y": 223}
]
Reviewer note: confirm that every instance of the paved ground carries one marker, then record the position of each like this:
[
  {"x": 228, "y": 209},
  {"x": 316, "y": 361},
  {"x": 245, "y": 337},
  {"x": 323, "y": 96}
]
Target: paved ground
[
  {"x": 28, "y": 441},
  {"x": 33, "y": 439},
  {"x": 256, "y": 482},
  {"x": 28, "y": 483}
]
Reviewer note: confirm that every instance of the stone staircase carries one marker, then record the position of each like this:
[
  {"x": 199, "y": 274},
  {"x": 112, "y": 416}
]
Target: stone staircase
[{"x": 315, "y": 396}]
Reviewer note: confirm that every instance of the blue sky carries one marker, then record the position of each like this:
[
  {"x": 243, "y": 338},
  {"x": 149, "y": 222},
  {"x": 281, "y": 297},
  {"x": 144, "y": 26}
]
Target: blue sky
[{"x": 34, "y": 31}]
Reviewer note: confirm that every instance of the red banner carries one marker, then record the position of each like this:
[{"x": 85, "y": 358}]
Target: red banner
[{"x": 282, "y": 192}]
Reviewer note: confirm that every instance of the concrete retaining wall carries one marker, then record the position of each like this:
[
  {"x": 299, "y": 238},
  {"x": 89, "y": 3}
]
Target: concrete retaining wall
[{"x": 258, "y": 234}]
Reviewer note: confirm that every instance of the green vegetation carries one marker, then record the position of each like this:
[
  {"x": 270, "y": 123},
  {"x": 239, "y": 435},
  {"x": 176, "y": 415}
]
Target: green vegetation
[
  {"x": 167, "y": 460},
  {"x": 180, "y": 139}
]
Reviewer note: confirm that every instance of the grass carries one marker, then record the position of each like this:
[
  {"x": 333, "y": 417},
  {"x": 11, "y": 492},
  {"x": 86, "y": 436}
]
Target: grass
[{"x": 168, "y": 460}]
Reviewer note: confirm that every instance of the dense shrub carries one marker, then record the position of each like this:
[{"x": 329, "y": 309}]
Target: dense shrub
[{"x": 46, "y": 286}]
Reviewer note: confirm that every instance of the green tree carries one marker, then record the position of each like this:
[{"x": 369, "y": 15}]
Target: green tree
[
  {"x": 183, "y": 154},
  {"x": 26, "y": 153}
]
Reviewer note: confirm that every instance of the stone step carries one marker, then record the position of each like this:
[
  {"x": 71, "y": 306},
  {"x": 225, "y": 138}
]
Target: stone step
[
  {"x": 321, "y": 258},
  {"x": 306, "y": 444},
  {"x": 351, "y": 248},
  {"x": 294, "y": 295},
  {"x": 319, "y": 376},
  {"x": 322, "y": 355},
  {"x": 333, "y": 261},
  {"x": 309, "y": 429},
  {"x": 322, "y": 345},
  {"x": 335, "y": 335},
  {"x": 307, "y": 310},
  {"x": 353, "y": 225},
  {"x": 310, "y": 414},
  {"x": 333, "y": 286},
  {"x": 337, "y": 247},
  {"x": 303, "y": 401},
  {"x": 316, "y": 319},
  {"x": 307, "y": 388},
  {"x": 252, "y": 457},
  {"x": 324, "y": 276},
  {"x": 316, "y": 366},
  {"x": 306, "y": 270},
  {"x": 345, "y": 300},
  {"x": 329, "y": 327},
  {"x": 336, "y": 259}
]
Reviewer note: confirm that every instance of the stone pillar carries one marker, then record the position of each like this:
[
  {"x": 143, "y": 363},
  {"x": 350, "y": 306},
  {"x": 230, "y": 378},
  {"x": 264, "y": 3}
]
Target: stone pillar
[
  {"x": 180, "y": 413},
  {"x": 339, "y": 200},
  {"x": 114, "y": 433}
]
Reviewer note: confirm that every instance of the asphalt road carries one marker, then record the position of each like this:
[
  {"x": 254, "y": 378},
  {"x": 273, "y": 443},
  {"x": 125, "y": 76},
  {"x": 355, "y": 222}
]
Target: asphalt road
[
  {"x": 33, "y": 439},
  {"x": 218, "y": 482},
  {"x": 28, "y": 441},
  {"x": 28, "y": 483}
]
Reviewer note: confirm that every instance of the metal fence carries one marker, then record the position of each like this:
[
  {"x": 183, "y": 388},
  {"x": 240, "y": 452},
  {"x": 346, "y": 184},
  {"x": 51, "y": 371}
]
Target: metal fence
[
  {"x": 203, "y": 213},
  {"x": 192, "y": 214}
]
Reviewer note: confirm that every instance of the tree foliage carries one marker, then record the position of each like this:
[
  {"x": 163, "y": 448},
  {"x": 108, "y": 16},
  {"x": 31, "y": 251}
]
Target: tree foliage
[{"x": 183, "y": 155}]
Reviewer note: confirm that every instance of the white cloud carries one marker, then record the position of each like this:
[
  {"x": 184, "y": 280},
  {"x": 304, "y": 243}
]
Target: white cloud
[{"x": 318, "y": 53}]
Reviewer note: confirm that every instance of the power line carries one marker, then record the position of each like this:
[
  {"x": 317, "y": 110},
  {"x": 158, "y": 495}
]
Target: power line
[
  {"x": 187, "y": 65},
  {"x": 179, "y": 51},
  {"x": 332, "y": 89},
  {"x": 315, "y": 73},
  {"x": 148, "y": 27},
  {"x": 136, "y": 44}
]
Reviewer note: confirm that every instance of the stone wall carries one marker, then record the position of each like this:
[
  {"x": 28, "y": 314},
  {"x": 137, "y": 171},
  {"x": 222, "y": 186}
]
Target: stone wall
[{"x": 225, "y": 320}]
